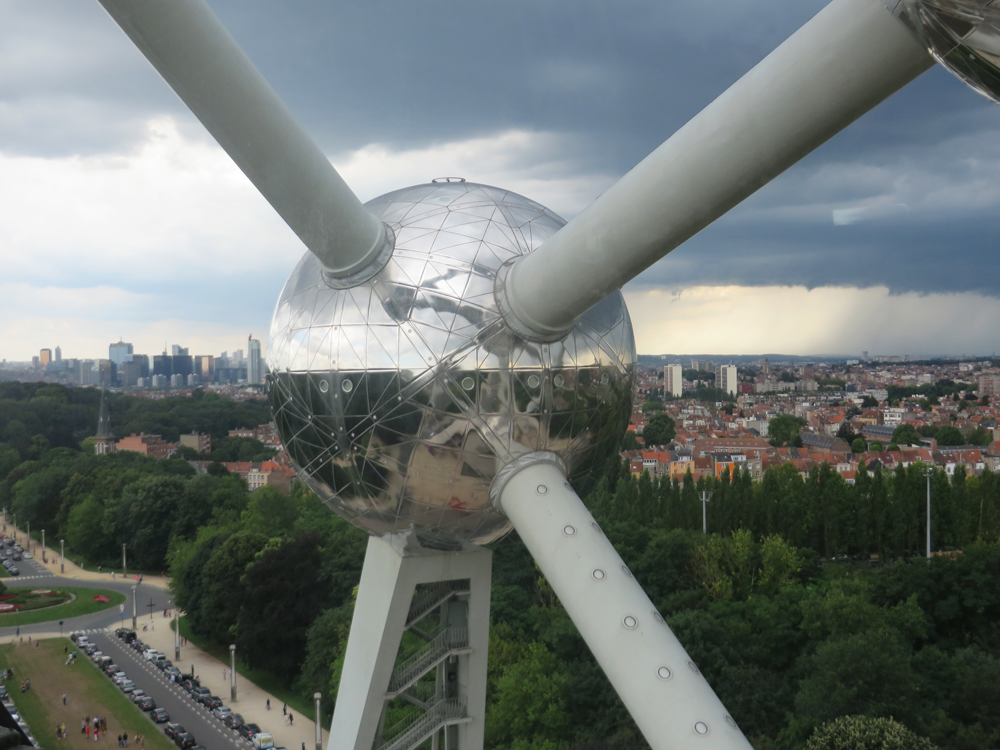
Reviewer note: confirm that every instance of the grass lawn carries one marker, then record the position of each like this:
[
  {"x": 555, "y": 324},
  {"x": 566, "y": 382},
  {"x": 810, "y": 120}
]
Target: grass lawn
[
  {"x": 89, "y": 693},
  {"x": 84, "y": 604},
  {"x": 264, "y": 680}
]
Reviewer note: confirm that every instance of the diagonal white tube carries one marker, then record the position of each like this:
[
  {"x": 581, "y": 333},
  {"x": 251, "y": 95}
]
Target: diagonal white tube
[
  {"x": 202, "y": 63},
  {"x": 661, "y": 687},
  {"x": 846, "y": 60}
]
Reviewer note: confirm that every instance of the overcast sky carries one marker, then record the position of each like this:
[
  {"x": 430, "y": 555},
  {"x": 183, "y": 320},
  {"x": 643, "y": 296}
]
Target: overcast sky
[{"x": 122, "y": 218}]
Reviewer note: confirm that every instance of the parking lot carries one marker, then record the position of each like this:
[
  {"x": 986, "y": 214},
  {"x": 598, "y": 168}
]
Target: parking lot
[{"x": 208, "y": 731}]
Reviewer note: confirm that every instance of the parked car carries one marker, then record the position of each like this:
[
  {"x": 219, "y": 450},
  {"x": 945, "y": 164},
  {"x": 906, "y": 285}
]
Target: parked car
[
  {"x": 118, "y": 677},
  {"x": 262, "y": 741},
  {"x": 146, "y": 703},
  {"x": 248, "y": 730},
  {"x": 159, "y": 715},
  {"x": 126, "y": 686},
  {"x": 96, "y": 656},
  {"x": 173, "y": 729},
  {"x": 190, "y": 683},
  {"x": 184, "y": 740},
  {"x": 137, "y": 694},
  {"x": 27, "y": 555},
  {"x": 3, "y": 693},
  {"x": 221, "y": 712},
  {"x": 171, "y": 670},
  {"x": 233, "y": 721},
  {"x": 14, "y": 571},
  {"x": 162, "y": 664},
  {"x": 212, "y": 702},
  {"x": 17, "y": 557},
  {"x": 199, "y": 693},
  {"x": 111, "y": 670}
]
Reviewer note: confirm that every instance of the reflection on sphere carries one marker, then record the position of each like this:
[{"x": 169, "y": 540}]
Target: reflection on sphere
[{"x": 399, "y": 399}]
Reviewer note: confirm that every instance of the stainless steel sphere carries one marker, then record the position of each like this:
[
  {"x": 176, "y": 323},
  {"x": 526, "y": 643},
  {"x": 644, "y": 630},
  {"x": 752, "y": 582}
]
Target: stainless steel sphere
[{"x": 399, "y": 399}]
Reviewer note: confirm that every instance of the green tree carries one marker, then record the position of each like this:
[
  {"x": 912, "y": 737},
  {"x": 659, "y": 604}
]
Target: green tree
[
  {"x": 859, "y": 446},
  {"x": 949, "y": 435},
  {"x": 866, "y": 733},
  {"x": 866, "y": 673},
  {"x": 528, "y": 710},
  {"x": 659, "y": 430},
  {"x": 906, "y": 434},
  {"x": 783, "y": 428}
]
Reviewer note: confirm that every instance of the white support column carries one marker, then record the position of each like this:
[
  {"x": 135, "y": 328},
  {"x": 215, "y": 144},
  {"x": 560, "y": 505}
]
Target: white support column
[
  {"x": 388, "y": 581},
  {"x": 658, "y": 682}
]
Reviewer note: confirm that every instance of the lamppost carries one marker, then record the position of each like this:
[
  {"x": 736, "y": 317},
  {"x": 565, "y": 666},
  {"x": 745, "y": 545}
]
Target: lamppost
[
  {"x": 319, "y": 727},
  {"x": 928, "y": 473},
  {"x": 706, "y": 495},
  {"x": 177, "y": 636},
  {"x": 62, "y": 555},
  {"x": 232, "y": 671},
  {"x": 43, "y": 545},
  {"x": 134, "y": 618},
  {"x": 124, "y": 568},
  {"x": 27, "y": 541},
  {"x": 15, "y": 528}
]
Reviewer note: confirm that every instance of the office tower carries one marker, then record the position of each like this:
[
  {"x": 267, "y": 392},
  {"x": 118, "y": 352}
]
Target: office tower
[
  {"x": 725, "y": 378},
  {"x": 178, "y": 351},
  {"x": 58, "y": 354},
  {"x": 255, "y": 368},
  {"x": 120, "y": 353},
  {"x": 44, "y": 357},
  {"x": 673, "y": 380}
]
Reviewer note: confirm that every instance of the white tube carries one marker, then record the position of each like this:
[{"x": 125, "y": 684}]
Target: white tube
[
  {"x": 202, "y": 63},
  {"x": 838, "y": 66},
  {"x": 671, "y": 702}
]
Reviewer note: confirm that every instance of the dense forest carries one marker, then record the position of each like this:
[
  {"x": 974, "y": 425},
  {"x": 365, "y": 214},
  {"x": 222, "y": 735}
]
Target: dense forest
[{"x": 807, "y": 608}]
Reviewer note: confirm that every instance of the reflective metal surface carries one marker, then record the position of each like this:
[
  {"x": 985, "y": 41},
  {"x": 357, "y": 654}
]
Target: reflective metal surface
[
  {"x": 964, "y": 36},
  {"x": 400, "y": 399}
]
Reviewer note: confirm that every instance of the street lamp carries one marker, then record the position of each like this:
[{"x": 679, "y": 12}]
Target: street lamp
[
  {"x": 62, "y": 555},
  {"x": 134, "y": 618},
  {"x": 928, "y": 473},
  {"x": 124, "y": 568},
  {"x": 706, "y": 495},
  {"x": 43, "y": 545},
  {"x": 177, "y": 636},
  {"x": 319, "y": 727},
  {"x": 232, "y": 671},
  {"x": 27, "y": 541}
]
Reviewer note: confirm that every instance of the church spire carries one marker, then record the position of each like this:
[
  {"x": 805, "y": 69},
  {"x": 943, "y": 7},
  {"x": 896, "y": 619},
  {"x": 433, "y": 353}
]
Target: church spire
[{"x": 104, "y": 441}]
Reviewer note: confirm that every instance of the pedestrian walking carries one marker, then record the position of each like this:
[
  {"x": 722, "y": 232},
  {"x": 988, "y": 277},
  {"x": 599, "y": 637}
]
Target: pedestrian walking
[
  {"x": 125, "y": 739},
  {"x": 268, "y": 704},
  {"x": 96, "y": 733},
  {"x": 64, "y": 730},
  {"x": 83, "y": 724},
  {"x": 99, "y": 568},
  {"x": 87, "y": 731},
  {"x": 64, "y": 698},
  {"x": 284, "y": 710},
  {"x": 112, "y": 575},
  {"x": 119, "y": 740},
  {"x": 290, "y": 718},
  {"x": 223, "y": 673},
  {"x": 58, "y": 733}
]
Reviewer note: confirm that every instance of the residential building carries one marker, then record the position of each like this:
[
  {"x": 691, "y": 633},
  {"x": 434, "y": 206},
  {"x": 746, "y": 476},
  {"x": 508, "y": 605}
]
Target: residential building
[
  {"x": 989, "y": 384},
  {"x": 673, "y": 380},
  {"x": 147, "y": 445},
  {"x": 725, "y": 378},
  {"x": 198, "y": 441}
]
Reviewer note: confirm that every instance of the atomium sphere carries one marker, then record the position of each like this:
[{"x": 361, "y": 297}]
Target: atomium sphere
[
  {"x": 399, "y": 399},
  {"x": 963, "y": 35}
]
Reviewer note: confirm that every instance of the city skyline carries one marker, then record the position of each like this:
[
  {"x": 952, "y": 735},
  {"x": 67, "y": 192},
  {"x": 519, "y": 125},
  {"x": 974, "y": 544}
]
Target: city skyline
[{"x": 120, "y": 208}]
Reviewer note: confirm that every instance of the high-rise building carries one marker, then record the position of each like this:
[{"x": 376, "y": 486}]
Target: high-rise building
[
  {"x": 120, "y": 353},
  {"x": 725, "y": 378},
  {"x": 989, "y": 384},
  {"x": 204, "y": 367},
  {"x": 44, "y": 357},
  {"x": 702, "y": 365},
  {"x": 163, "y": 364},
  {"x": 178, "y": 351},
  {"x": 58, "y": 354},
  {"x": 255, "y": 367},
  {"x": 673, "y": 380}
]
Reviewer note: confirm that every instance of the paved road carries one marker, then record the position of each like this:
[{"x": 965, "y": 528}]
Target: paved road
[
  {"x": 34, "y": 575},
  {"x": 209, "y": 731}
]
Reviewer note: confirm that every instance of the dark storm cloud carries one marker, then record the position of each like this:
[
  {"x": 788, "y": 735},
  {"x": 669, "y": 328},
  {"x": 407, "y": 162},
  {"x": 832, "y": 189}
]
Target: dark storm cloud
[{"x": 918, "y": 175}]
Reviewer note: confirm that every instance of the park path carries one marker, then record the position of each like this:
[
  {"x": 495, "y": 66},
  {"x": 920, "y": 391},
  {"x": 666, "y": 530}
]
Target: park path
[{"x": 251, "y": 700}]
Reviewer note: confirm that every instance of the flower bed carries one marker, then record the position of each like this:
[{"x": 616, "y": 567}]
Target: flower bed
[
  {"x": 102, "y": 598},
  {"x": 5, "y": 597},
  {"x": 9, "y": 607}
]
